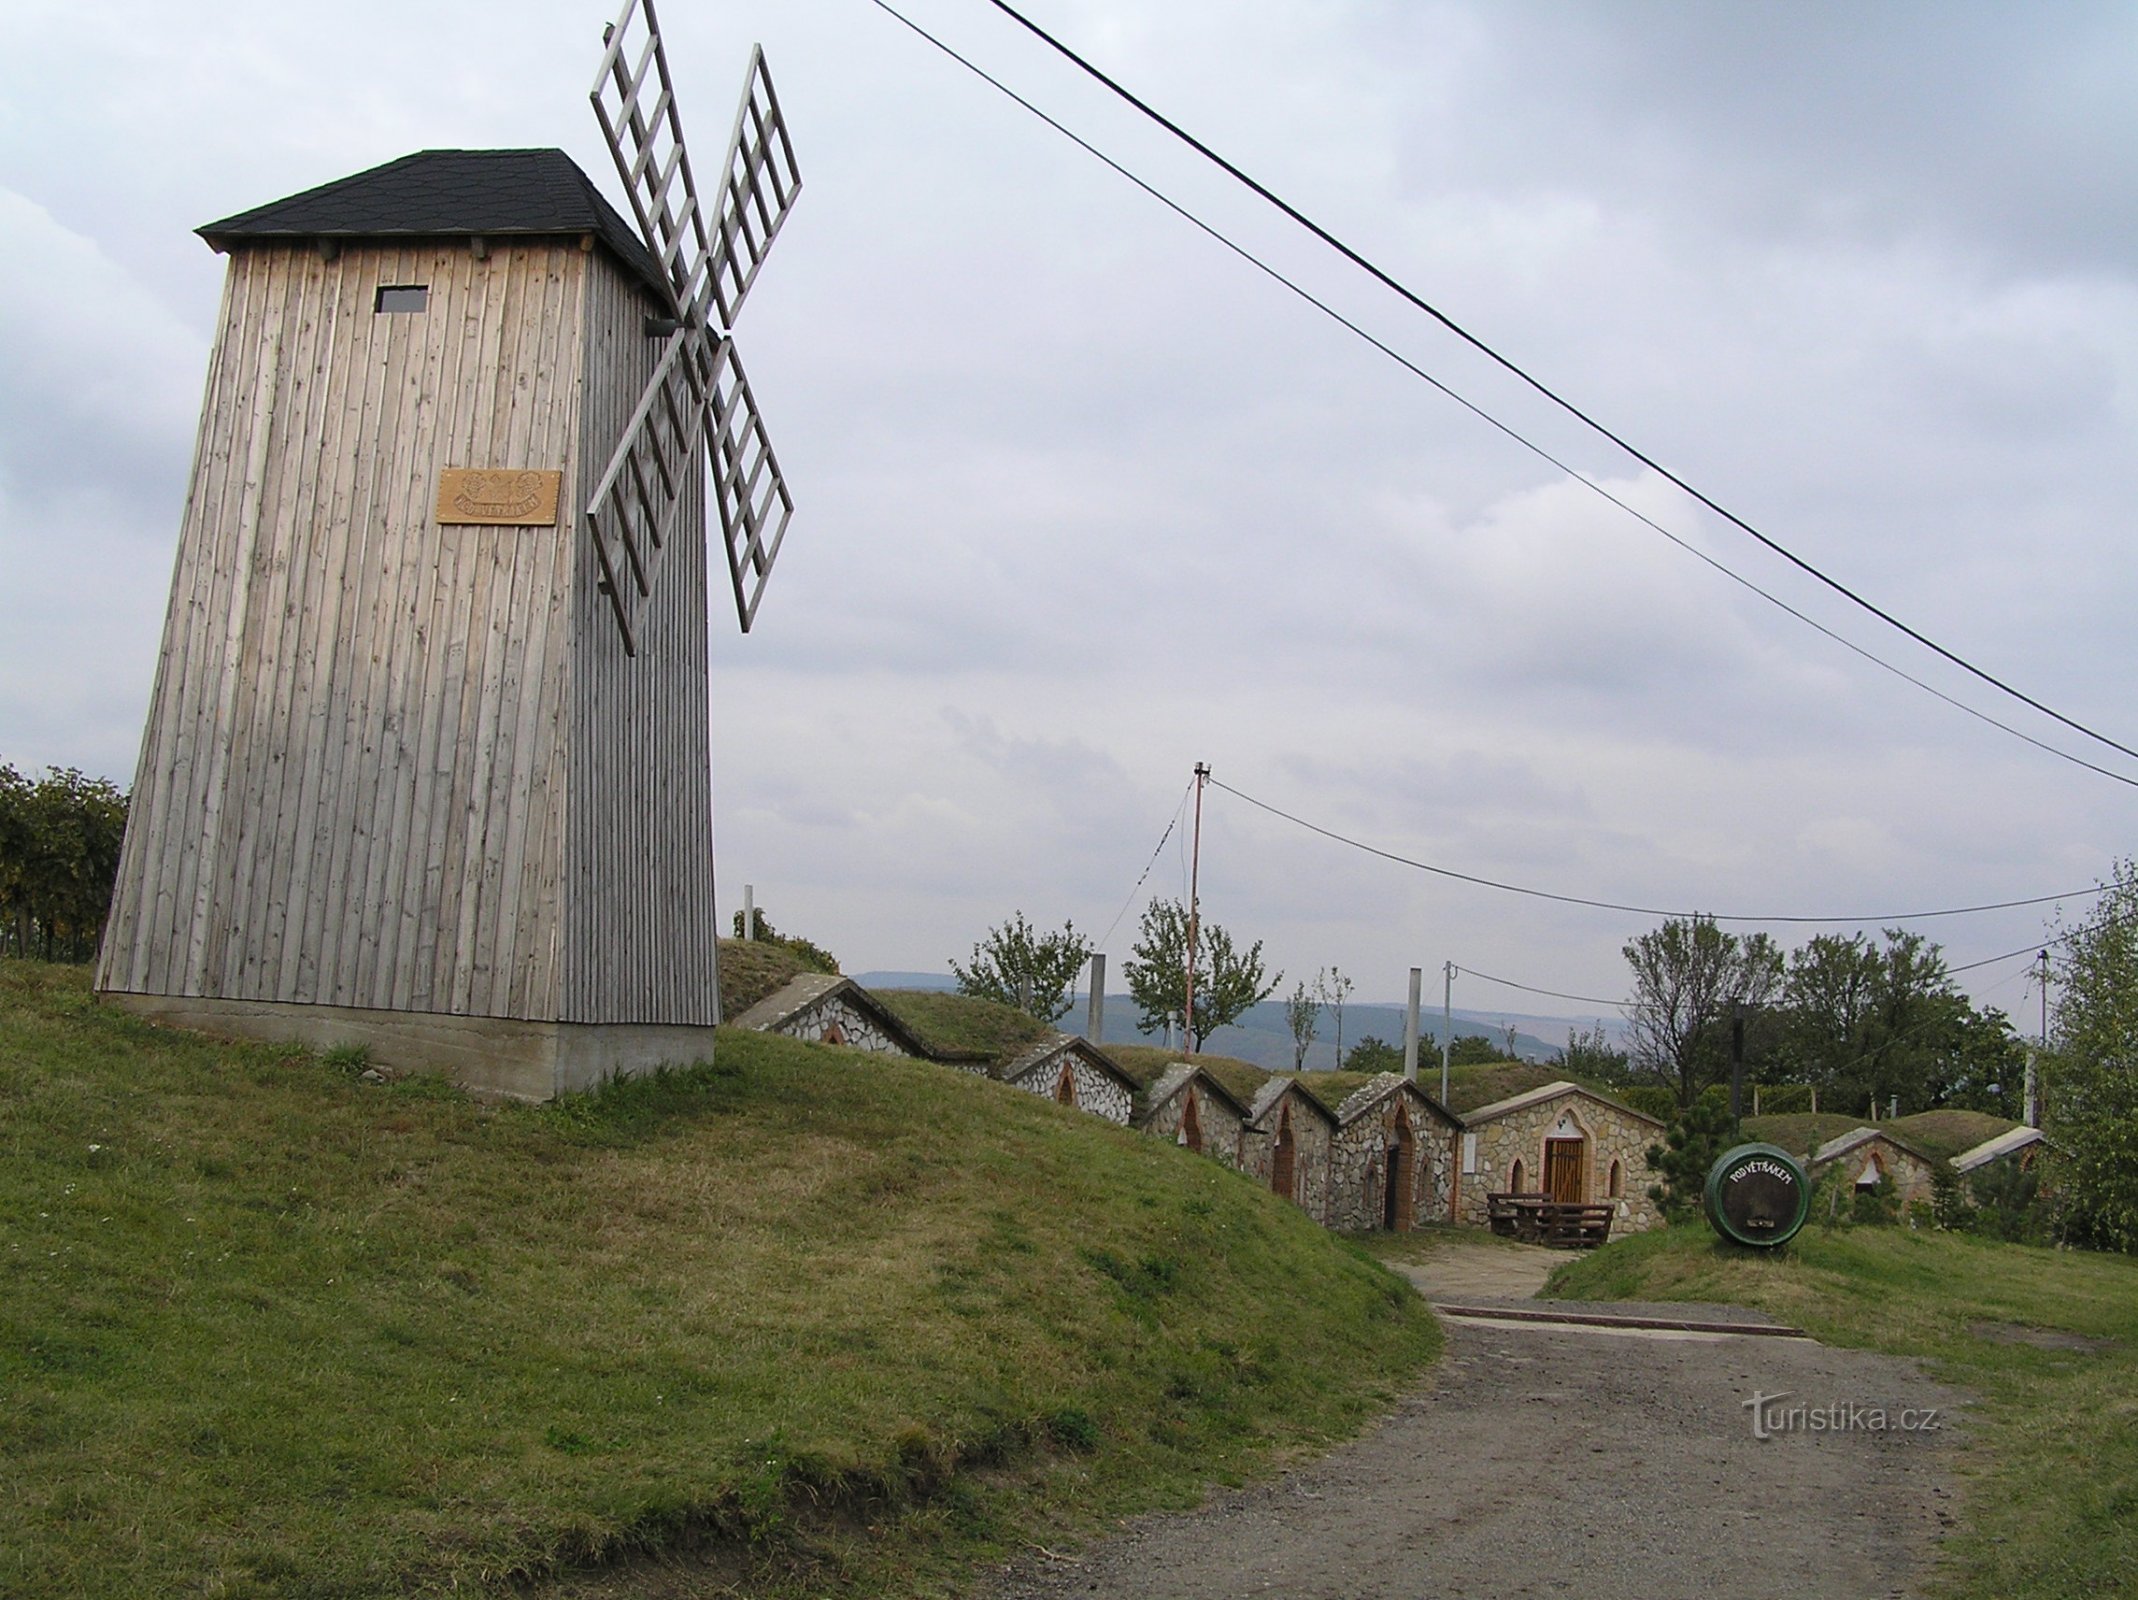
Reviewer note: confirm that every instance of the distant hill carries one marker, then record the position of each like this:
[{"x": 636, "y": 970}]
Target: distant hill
[{"x": 1262, "y": 1037}]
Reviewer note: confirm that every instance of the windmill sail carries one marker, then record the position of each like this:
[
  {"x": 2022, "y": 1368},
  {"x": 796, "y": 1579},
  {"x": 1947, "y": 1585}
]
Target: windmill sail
[{"x": 698, "y": 396}]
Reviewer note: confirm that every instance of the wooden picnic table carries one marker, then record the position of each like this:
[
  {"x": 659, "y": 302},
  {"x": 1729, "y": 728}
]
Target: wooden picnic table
[{"x": 1539, "y": 1219}]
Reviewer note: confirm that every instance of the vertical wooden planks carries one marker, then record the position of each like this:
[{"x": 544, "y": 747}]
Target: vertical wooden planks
[
  {"x": 353, "y": 772},
  {"x": 641, "y": 933}
]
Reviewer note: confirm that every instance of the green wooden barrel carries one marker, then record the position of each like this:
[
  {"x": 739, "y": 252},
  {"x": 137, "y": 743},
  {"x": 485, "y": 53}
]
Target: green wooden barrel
[{"x": 1757, "y": 1194}]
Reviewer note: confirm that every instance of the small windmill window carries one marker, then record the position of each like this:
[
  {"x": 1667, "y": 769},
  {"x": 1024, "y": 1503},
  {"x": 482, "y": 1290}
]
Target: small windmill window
[{"x": 402, "y": 297}]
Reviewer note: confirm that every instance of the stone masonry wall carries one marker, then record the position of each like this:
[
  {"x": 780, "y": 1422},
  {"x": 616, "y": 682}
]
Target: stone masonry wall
[
  {"x": 1358, "y": 1167},
  {"x": 1612, "y": 1135},
  {"x": 856, "y": 1031},
  {"x": 1310, "y": 1165},
  {"x": 1097, "y": 1092},
  {"x": 1910, "y": 1174},
  {"x": 1222, "y": 1126}
]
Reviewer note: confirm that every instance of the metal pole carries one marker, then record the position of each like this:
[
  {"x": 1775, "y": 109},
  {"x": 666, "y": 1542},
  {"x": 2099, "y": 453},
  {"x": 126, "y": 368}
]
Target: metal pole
[
  {"x": 1095, "y": 1017},
  {"x": 1410, "y": 1027},
  {"x": 749, "y": 911},
  {"x": 1737, "y": 1062},
  {"x": 1189, "y": 1042},
  {"x": 1447, "y": 1023},
  {"x": 2030, "y": 1107}
]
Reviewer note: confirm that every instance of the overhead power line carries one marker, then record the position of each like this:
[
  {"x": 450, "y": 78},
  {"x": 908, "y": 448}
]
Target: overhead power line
[
  {"x": 1518, "y": 438},
  {"x": 1155, "y": 853},
  {"x": 1530, "y": 988},
  {"x": 1508, "y": 365},
  {"x": 1645, "y": 911}
]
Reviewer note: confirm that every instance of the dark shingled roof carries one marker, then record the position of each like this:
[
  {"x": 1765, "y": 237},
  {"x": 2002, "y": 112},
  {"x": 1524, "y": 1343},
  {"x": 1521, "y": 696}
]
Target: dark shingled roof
[{"x": 451, "y": 193}]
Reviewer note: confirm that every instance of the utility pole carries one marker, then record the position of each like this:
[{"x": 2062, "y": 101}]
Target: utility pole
[
  {"x": 1188, "y": 1039},
  {"x": 749, "y": 911},
  {"x": 2030, "y": 1108},
  {"x": 1410, "y": 1027},
  {"x": 1737, "y": 1062},
  {"x": 1095, "y": 1020},
  {"x": 1447, "y": 1023}
]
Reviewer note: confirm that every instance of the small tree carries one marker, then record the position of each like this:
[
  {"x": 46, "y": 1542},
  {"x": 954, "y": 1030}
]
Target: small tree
[
  {"x": 1589, "y": 1055},
  {"x": 2091, "y": 1077},
  {"x": 1015, "y": 955},
  {"x": 1302, "y": 1013},
  {"x": 1473, "y": 1050},
  {"x": 1688, "y": 977},
  {"x": 1227, "y": 981},
  {"x": 1335, "y": 989},
  {"x": 59, "y": 858},
  {"x": 1688, "y": 1152},
  {"x": 1373, "y": 1054}
]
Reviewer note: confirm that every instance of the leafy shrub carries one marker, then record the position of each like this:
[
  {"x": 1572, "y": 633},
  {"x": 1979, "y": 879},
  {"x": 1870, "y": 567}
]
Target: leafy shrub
[{"x": 813, "y": 956}]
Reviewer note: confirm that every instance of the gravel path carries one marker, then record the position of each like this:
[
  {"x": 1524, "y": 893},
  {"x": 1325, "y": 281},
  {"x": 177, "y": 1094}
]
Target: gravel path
[{"x": 1550, "y": 1460}]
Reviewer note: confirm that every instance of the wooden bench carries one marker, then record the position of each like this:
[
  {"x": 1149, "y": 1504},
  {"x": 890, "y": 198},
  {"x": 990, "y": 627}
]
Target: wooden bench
[{"x": 1539, "y": 1219}]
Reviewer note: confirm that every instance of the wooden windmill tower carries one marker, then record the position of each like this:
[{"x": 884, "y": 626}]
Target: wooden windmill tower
[{"x": 426, "y": 767}]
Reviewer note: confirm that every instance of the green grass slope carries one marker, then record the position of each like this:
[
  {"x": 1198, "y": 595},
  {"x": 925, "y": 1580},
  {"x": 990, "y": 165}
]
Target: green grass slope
[
  {"x": 835, "y": 1321},
  {"x": 958, "y": 1027},
  {"x": 1799, "y": 1132},
  {"x": 1147, "y": 1063},
  {"x": 1941, "y": 1135},
  {"x": 752, "y": 969},
  {"x": 2047, "y": 1338}
]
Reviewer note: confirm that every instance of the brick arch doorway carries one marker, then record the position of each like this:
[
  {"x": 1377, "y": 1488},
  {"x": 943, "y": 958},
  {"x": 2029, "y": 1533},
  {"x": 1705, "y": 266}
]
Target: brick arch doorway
[
  {"x": 1284, "y": 1158},
  {"x": 1399, "y": 1185}
]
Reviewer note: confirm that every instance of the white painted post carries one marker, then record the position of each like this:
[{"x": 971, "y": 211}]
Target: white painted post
[
  {"x": 1410, "y": 1027},
  {"x": 1095, "y": 1017}
]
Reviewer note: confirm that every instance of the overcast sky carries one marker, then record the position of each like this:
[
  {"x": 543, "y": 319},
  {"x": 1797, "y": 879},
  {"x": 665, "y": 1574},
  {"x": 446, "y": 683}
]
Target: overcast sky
[{"x": 1084, "y": 499}]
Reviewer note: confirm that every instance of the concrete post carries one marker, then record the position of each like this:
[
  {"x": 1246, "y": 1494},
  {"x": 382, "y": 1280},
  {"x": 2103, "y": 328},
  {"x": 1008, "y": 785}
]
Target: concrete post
[
  {"x": 1447, "y": 1024},
  {"x": 1095, "y": 1017},
  {"x": 1410, "y": 1027},
  {"x": 749, "y": 911}
]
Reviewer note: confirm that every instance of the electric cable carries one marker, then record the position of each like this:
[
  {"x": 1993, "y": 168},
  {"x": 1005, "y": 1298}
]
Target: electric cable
[
  {"x": 1491, "y": 421},
  {"x": 1528, "y": 988},
  {"x": 1645, "y": 911},
  {"x": 1540, "y": 387},
  {"x": 1131, "y": 900}
]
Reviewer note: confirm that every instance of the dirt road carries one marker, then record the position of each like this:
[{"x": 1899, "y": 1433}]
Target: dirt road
[{"x": 1549, "y": 1460}]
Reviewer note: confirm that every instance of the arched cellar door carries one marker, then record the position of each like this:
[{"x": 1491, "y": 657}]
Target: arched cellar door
[
  {"x": 1564, "y": 1170},
  {"x": 1283, "y": 1158},
  {"x": 1399, "y": 1194}
]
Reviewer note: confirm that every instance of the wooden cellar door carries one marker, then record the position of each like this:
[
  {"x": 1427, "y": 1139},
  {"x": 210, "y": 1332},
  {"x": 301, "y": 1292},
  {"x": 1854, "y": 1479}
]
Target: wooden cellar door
[
  {"x": 1563, "y": 1170},
  {"x": 1191, "y": 1124},
  {"x": 1402, "y": 1199},
  {"x": 1065, "y": 1086},
  {"x": 1282, "y": 1159}
]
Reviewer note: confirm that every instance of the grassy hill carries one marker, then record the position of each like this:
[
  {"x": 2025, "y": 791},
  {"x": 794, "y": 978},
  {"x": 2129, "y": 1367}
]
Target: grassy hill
[
  {"x": 751, "y": 969},
  {"x": 1799, "y": 1132},
  {"x": 843, "y": 1323},
  {"x": 1940, "y": 1135},
  {"x": 2048, "y": 1339},
  {"x": 956, "y": 1027},
  {"x": 1945, "y": 1134}
]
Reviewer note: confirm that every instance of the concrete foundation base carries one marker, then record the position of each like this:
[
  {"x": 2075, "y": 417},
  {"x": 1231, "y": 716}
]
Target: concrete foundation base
[{"x": 496, "y": 1057}]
